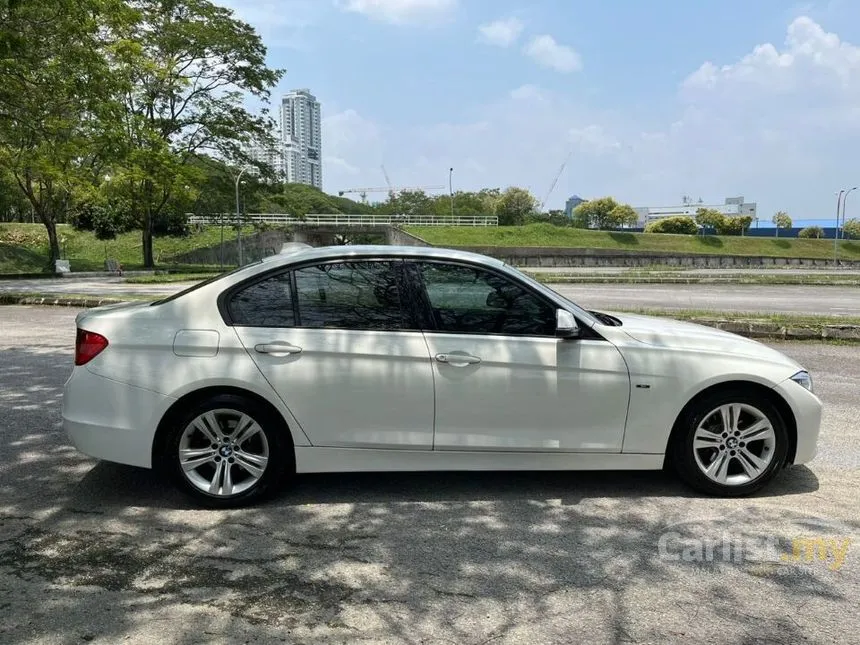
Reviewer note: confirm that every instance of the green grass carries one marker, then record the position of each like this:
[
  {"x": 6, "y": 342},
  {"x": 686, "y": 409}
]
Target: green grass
[
  {"x": 554, "y": 236},
  {"x": 24, "y": 248}
]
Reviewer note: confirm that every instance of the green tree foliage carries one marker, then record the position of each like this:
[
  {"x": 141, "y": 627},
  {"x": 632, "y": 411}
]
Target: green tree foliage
[
  {"x": 780, "y": 220},
  {"x": 722, "y": 224},
  {"x": 514, "y": 205},
  {"x": 603, "y": 213},
  {"x": 622, "y": 215},
  {"x": 851, "y": 229},
  {"x": 186, "y": 67},
  {"x": 811, "y": 232},
  {"x": 680, "y": 225},
  {"x": 299, "y": 200},
  {"x": 55, "y": 100},
  {"x": 710, "y": 218}
]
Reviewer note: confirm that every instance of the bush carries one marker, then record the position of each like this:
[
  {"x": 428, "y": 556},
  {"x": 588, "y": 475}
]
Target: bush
[
  {"x": 811, "y": 232},
  {"x": 851, "y": 229},
  {"x": 679, "y": 225}
]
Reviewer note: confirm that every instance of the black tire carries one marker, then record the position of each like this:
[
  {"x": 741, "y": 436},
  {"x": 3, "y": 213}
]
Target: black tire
[
  {"x": 272, "y": 440},
  {"x": 684, "y": 458}
]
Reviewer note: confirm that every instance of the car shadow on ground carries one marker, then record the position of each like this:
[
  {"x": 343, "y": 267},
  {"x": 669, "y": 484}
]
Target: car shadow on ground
[{"x": 116, "y": 485}]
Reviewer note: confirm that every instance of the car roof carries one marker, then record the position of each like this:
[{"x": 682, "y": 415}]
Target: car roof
[{"x": 379, "y": 250}]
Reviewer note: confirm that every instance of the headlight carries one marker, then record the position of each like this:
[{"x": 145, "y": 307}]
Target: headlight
[{"x": 803, "y": 378}]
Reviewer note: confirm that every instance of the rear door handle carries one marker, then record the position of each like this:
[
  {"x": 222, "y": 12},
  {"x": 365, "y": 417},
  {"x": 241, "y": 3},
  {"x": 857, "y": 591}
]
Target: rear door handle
[
  {"x": 458, "y": 360},
  {"x": 277, "y": 348}
]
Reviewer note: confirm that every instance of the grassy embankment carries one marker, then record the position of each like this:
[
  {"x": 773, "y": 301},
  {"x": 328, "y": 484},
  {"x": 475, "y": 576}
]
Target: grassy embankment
[
  {"x": 548, "y": 235},
  {"x": 24, "y": 248}
]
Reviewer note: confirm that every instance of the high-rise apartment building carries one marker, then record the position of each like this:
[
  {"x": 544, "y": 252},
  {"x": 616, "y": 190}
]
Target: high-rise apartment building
[{"x": 301, "y": 132}]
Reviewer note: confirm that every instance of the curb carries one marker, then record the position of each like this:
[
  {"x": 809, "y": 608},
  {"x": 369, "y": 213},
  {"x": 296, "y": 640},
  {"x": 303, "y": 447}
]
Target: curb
[
  {"x": 748, "y": 328},
  {"x": 758, "y": 329},
  {"x": 845, "y": 282},
  {"x": 56, "y": 301}
]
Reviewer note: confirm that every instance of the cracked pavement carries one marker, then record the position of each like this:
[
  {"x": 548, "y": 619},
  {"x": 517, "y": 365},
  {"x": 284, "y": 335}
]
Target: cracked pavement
[{"x": 102, "y": 553}]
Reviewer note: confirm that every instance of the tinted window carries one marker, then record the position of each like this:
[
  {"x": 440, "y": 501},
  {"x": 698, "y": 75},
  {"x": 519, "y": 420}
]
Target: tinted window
[
  {"x": 470, "y": 300},
  {"x": 349, "y": 295},
  {"x": 264, "y": 304}
]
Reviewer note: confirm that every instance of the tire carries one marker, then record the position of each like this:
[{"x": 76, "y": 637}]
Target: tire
[
  {"x": 228, "y": 451},
  {"x": 729, "y": 444}
]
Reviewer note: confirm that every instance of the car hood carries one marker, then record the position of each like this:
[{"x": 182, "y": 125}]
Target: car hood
[{"x": 676, "y": 334}]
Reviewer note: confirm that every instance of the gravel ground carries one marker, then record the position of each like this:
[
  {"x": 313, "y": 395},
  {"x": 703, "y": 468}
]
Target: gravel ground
[{"x": 95, "y": 552}]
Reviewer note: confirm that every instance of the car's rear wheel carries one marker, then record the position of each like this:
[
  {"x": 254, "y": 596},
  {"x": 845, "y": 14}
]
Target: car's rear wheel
[
  {"x": 730, "y": 444},
  {"x": 227, "y": 452}
]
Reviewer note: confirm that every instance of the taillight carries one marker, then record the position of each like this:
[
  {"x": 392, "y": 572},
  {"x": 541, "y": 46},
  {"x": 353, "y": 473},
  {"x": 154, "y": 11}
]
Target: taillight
[{"x": 88, "y": 345}]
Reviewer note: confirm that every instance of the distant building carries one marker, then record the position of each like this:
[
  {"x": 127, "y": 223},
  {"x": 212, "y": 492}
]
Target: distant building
[
  {"x": 731, "y": 206},
  {"x": 301, "y": 134},
  {"x": 570, "y": 204},
  {"x": 272, "y": 156}
]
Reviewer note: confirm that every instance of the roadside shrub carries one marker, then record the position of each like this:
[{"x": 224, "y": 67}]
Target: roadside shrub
[
  {"x": 678, "y": 225},
  {"x": 811, "y": 232},
  {"x": 851, "y": 229}
]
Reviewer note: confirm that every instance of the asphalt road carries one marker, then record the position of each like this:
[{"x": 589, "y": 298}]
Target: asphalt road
[
  {"x": 100, "y": 553},
  {"x": 811, "y": 300},
  {"x": 797, "y": 299}
]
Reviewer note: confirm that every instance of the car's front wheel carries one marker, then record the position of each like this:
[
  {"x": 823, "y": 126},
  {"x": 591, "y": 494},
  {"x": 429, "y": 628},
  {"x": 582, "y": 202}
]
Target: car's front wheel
[
  {"x": 227, "y": 452},
  {"x": 730, "y": 444}
]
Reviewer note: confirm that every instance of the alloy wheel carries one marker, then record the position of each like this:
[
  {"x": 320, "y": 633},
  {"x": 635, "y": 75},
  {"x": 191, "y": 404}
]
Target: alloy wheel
[
  {"x": 734, "y": 444},
  {"x": 223, "y": 452}
]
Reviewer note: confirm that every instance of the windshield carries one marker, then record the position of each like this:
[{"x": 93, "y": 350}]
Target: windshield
[{"x": 583, "y": 314}]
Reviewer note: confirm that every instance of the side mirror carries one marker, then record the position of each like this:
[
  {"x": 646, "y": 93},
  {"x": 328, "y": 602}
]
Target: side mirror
[{"x": 565, "y": 324}]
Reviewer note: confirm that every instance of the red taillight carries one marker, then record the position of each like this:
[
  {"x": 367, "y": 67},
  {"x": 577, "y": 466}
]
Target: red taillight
[{"x": 88, "y": 345}]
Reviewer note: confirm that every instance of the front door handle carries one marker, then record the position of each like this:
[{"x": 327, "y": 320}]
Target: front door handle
[
  {"x": 458, "y": 360},
  {"x": 277, "y": 348}
]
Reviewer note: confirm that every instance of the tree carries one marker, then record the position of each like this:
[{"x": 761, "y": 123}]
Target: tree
[
  {"x": 680, "y": 225},
  {"x": 781, "y": 220},
  {"x": 513, "y": 205},
  {"x": 710, "y": 218},
  {"x": 851, "y": 228},
  {"x": 811, "y": 232},
  {"x": 186, "y": 67},
  {"x": 622, "y": 215},
  {"x": 410, "y": 202},
  {"x": 55, "y": 100},
  {"x": 595, "y": 213}
]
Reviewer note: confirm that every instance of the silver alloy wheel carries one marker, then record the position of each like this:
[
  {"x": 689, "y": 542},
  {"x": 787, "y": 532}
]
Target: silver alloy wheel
[
  {"x": 734, "y": 444},
  {"x": 223, "y": 452}
]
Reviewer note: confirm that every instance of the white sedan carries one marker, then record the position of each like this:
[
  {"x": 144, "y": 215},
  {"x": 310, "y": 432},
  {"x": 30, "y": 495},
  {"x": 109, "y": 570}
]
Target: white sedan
[{"x": 380, "y": 358}]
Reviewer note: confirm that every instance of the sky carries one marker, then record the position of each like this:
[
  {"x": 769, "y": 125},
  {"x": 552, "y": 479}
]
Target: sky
[{"x": 645, "y": 101}]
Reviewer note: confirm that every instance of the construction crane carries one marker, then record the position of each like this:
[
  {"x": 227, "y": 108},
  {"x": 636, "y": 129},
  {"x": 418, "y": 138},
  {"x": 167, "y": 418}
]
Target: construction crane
[
  {"x": 555, "y": 181},
  {"x": 388, "y": 189}
]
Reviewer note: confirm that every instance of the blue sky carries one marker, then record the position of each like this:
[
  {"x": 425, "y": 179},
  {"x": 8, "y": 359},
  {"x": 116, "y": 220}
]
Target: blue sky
[{"x": 650, "y": 100}]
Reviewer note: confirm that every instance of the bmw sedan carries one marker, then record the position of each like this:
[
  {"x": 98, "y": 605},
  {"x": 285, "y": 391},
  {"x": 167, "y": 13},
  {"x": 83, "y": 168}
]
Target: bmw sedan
[{"x": 380, "y": 358}]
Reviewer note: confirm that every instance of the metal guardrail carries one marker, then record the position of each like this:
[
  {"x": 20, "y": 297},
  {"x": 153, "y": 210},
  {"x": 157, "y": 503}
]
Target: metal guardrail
[{"x": 349, "y": 220}]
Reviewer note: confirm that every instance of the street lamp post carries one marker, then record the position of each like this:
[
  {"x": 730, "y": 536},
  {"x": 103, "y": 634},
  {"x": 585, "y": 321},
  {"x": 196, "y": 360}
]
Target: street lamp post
[
  {"x": 836, "y": 230},
  {"x": 451, "y": 189},
  {"x": 844, "y": 201},
  {"x": 238, "y": 215}
]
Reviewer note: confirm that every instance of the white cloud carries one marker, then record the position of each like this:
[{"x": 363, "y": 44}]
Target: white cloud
[
  {"x": 281, "y": 23},
  {"x": 401, "y": 11},
  {"x": 527, "y": 91},
  {"x": 502, "y": 33},
  {"x": 778, "y": 125},
  {"x": 547, "y": 52}
]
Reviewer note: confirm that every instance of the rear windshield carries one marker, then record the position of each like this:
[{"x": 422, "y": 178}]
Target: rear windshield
[{"x": 203, "y": 283}]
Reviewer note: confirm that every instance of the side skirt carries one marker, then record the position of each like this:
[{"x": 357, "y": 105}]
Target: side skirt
[{"x": 311, "y": 459}]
